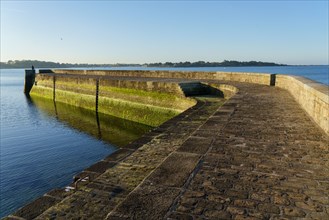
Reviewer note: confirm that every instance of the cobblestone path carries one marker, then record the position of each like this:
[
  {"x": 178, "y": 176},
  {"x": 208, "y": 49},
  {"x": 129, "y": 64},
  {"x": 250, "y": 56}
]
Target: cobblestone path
[
  {"x": 269, "y": 161},
  {"x": 259, "y": 156}
]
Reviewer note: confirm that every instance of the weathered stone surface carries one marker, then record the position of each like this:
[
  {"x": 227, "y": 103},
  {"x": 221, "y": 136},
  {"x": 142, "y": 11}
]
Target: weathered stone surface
[
  {"x": 196, "y": 145},
  {"x": 262, "y": 164},
  {"x": 13, "y": 218},
  {"x": 59, "y": 193},
  {"x": 174, "y": 171},
  {"x": 118, "y": 155},
  {"x": 94, "y": 204},
  {"x": 36, "y": 207},
  {"x": 179, "y": 216},
  {"x": 151, "y": 202},
  {"x": 100, "y": 167},
  {"x": 293, "y": 212}
]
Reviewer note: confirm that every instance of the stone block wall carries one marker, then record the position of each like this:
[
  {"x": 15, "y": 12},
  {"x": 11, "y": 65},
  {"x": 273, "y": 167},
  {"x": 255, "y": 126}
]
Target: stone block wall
[
  {"x": 258, "y": 78},
  {"x": 312, "y": 96},
  {"x": 147, "y": 102}
]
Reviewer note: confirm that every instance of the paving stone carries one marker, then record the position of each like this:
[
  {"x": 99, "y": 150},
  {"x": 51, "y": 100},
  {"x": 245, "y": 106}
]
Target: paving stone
[
  {"x": 269, "y": 208},
  {"x": 12, "y": 218},
  {"x": 59, "y": 193},
  {"x": 118, "y": 155},
  {"x": 215, "y": 214},
  {"x": 36, "y": 207},
  {"x": 150, "y": 201},
  {"x": 317, "y": 215},
  {"x": 174, "y": 171},
  {"x": 85, "y": 205},
  {"x": 245, "y": 203},
  {"x": 281, "y": 199},
  {"x": 236, "y": 210},
  {"x": 196, "y": 145},
  {"x": 100, "y": 167},
  {"x": 310, "y": 206},
  {"x": 293, "y": 212},
  {"x": 244, "y": 217},
  {"x": 180, "y": 216}
]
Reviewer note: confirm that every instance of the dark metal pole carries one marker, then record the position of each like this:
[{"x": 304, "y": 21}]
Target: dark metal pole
[{"x": 97, "y": 91}]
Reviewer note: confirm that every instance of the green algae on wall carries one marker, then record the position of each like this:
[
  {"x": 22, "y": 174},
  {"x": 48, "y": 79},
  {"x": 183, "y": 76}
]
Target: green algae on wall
[
  {"x": 147, "y": 107},
  {"x": 142, "y": 113},
  {"x": 165, "y": 100}
]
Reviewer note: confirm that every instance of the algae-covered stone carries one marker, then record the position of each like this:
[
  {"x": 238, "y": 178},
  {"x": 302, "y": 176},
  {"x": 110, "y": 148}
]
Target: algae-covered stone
[{"x": 131, "y": 100}]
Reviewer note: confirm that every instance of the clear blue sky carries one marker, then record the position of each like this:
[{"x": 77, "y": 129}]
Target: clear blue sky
[{"x": 291, "y": 32}]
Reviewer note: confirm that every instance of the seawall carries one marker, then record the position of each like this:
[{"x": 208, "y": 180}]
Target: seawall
[
  {"x": 259, "y": 78},
  {"x": 146, "y": 102},
  {"x": 312, "y": 96}
]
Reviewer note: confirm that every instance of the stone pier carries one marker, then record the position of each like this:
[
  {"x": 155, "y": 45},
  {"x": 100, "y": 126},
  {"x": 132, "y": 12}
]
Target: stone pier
[{"x": 258, "y": 155}]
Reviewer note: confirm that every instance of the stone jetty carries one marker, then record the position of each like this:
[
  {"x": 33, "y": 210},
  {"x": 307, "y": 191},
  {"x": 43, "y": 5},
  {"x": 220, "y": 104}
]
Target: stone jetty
[{"x": 261, "y": 153}]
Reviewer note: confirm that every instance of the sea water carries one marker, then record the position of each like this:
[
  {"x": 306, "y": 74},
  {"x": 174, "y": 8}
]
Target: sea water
[{"x": 44, "y": 144}]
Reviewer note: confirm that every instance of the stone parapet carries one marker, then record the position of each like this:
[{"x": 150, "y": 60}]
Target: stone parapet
[
  {"x": 258, "y": 78},
  {"x": 312, "y": 96}
]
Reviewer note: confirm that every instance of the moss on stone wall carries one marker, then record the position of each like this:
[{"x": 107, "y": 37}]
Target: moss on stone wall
[
  {"x": 142, "y": 113},
  {"x": 42, "y": 91},
  {"x": 146, "y": 107},
  {"x": 165, "y": 100}
]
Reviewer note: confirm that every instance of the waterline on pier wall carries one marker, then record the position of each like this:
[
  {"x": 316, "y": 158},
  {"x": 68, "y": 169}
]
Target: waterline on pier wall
[{"x": 151, "y": 108}]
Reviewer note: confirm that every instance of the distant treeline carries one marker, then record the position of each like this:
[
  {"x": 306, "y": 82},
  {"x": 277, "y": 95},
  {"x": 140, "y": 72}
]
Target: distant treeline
[
  {"x": 225, "y": 63},
  {"x": 12, "y": 64}
]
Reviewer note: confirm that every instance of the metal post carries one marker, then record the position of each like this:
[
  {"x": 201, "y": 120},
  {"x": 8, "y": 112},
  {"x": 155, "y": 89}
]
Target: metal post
[
  {"x": 97, "y": 91},
  {"x": 54, "y": 88}
]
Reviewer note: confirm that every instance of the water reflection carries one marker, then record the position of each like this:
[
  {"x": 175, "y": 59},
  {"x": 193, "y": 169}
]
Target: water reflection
[{"x": 110, "y": 129}]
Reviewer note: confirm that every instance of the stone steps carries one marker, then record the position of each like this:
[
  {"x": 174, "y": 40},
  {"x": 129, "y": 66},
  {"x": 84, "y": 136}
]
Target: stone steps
[{"x": 194, "y": 88}]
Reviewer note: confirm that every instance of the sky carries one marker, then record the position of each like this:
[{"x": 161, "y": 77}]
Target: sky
[{"x": 287, "y": 32}]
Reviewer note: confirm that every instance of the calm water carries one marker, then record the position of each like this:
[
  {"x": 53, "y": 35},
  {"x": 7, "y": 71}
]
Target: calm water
[{"x": 44, "y": 144}]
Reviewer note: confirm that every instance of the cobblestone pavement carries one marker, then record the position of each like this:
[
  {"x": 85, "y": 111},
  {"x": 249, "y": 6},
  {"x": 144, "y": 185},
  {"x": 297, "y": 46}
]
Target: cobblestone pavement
[
  {"x": 259, "y": 156},
  {"x": 269, "y": 161}
]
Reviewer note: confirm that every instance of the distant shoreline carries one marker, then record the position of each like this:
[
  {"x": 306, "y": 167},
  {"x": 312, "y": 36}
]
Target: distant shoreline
[{"x": 45, "y": 64}]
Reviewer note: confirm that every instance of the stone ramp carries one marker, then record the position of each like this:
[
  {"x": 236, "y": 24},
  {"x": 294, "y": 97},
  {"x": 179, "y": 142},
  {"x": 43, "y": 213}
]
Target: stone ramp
[{"x": 259, "y": 156}]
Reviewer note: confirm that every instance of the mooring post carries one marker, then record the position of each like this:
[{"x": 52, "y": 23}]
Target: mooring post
[
  {"x": 273, "y": 78},
  {"x": 29, "y": 81},
  {"x": 54, "y": 87},
  {"x": 97, "y": 91}
]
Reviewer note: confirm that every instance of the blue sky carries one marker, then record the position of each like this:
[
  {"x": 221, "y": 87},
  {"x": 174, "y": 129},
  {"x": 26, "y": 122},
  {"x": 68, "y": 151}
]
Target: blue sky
[{"x": 290, "y": 32}]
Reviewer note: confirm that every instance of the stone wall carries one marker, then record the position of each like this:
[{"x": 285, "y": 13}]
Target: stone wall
[
  {"x": 258, "y": 78},
  {"x": 312, "y": 96},
  {"x": 146, "y": 102}
]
